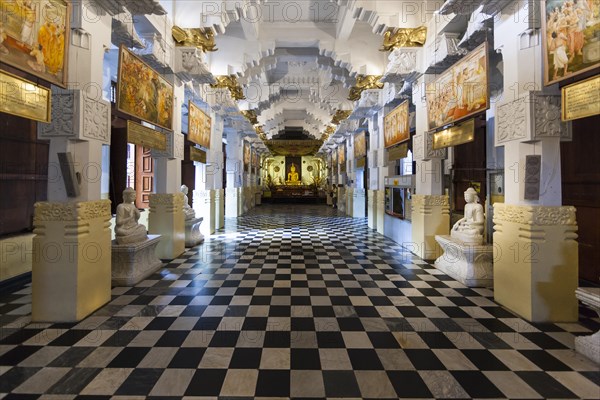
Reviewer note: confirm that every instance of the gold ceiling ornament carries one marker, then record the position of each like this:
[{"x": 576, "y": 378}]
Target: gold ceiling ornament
[
  {"x": 364, "y": 82},
  {"x": 250, "y": 116},
  {"x": 229, "y": 82},
  {"x": 330, "y": 130},
  {"x": 202, "y": 38},
  {"x": 340, "y": 115},
  {"x": 294, "y": 148},
  {"x": 395, "y": 38}
]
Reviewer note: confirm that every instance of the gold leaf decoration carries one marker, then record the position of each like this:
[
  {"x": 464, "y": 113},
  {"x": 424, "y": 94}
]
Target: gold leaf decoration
[
  {"x": 202, "y": 38},
  {"x": 364, "y": 82},
  {"x": 229, "y": 82},
  {"x": 395, "y": 38}
]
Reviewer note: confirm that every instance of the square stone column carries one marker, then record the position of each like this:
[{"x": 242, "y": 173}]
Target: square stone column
[
  {"x": 219, "y": 208},
  {"x": 350, "y": 201},
  {"x": 232, "y": 202},
  {"x": 372, "y": 209},
  {"x": 430, "y": 217},
  {"x": 71, "y": 275},
  {"x": 359, "y": 203},
  {"x": 380, "y": 197},
  {"x": 535, "y": 261},
  {"x": 167, "y": 219},
  {"x": 535, "y": 246},
  {"x": 205, "y": 207}
]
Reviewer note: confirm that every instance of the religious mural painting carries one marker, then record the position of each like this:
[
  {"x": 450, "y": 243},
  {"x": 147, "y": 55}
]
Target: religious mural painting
[
  {"x": 396, "y": 126},
  {"x": 360, "y": 145},
  {"x": 247, "y": 157},
  {"x": 460, "y": 91},
  {"x": 199, "y": 126},
  {"x": 571, "y": 37},
  {"x": 143, "y": 92},
  {"x": 34, "y": 37}
]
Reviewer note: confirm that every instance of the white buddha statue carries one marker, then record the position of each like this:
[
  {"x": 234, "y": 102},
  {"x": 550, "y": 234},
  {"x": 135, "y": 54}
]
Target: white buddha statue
[
  {"x": 127, "y": 228},
  {"x": 469, "y": 229},
  {"x": 187, "y": 210}
]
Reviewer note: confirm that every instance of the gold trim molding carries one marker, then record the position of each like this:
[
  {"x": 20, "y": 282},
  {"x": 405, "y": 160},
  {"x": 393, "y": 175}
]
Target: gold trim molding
[
  {"x": 231, "y": 83},
  {"x": 80, "y": 211},
  {"x": 175, "y": 200},
  {"x": 364, "y": 82},
  {"x": 395, "y": 38},
  {"x": 534, "y": 215},
  {"x": 202, "y": 38}
]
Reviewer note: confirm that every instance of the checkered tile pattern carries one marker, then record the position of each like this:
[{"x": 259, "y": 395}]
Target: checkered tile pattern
[{"x": 309, "y": 305}]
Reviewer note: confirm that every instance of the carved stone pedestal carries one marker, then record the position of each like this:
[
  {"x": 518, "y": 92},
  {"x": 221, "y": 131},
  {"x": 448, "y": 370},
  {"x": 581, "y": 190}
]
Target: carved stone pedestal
[
  {"x": 589, "y": 346},
  {"x": 536, "y": 261},
  {"x": 358, "y": 203},
  {"x": 71, "y": 260},
  {"x": 469, "y": 264},
  {"x": 132, "y": 263},
  {"x": 232, "y": 202},
  {"x": 193, "y": 236},
  {"x": 430, "y": 217},
  {"x": 166, "y": 218},
  {"x": 205, "y": 207}
]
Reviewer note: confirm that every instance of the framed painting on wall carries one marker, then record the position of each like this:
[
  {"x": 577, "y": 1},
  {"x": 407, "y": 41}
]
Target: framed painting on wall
[
  {"x": 571, "y": 38},
  {"x": 396, "y": 126},
  {"x": 247, "y": 156},
  {"x": 360, "y": 145},
  {"x": 342, "y": 154},
  {"x": 34, "y": 37},
  {"x": 199, "y": 126},
  {"x": 142, "y": 92},
  {"x": 461, "y": 91}
]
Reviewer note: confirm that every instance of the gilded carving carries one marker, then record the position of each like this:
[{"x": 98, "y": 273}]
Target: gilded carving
[
  {"x": 96, "y": 119},
  {"x": 251, "y": 116},
  {"x": 340, "y": 115},
  {"x": 364, "y": 82},
  {"x": 231, "y": 83},
  {"x": 202, "y": 38},
  {"x": 534, "y": 215},
  {"x": 404, "y": 37},
  {"x": 54, "y": 212},
  {"x": 511, "y": 121},
  {"x": 431, "y": 152}
]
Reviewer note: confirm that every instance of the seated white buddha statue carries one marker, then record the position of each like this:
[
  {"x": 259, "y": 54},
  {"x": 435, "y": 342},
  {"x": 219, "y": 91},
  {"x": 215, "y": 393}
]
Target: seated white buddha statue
[
  {"x": 187, "y": 210},
  {"x": 469, "y": 229},
  {"x": 292, "y": 178},
  {"x": 127, "y": 228}
]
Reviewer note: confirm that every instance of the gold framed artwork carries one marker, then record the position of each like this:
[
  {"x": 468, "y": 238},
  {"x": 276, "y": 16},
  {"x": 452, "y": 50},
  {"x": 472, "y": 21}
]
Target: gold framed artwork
[
  {"x": 570, "y": 30},
  {"x": 142, "y": 92},
  {"x": 396, "y": 126},
  {"x": 145, "y": 136},
  {"x": 24, "y": 98},
  {"x": 360, "y": 145},
  {"x": 199, "y": 126},
  {"x": 34, "y": 37},
  {"x": 247, "y": 156},
  {"x": 581, "y": 99},
  {"x": 255, "y": 162},
  {"x": 459, "y": 92},
  {"x": 342, "y": 154}
]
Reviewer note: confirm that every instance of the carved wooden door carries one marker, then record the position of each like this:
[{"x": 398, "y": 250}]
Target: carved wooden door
[{"x": 144, "y": 176}]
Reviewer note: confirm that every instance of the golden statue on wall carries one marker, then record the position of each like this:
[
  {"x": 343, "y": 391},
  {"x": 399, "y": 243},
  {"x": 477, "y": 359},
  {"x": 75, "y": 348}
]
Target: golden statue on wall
[
  {"x": 229, "y": 82},
  {"x": 394, "y": 38},
  {"x": 203, "y": 38},
  {"x": 364, "y": 82}
]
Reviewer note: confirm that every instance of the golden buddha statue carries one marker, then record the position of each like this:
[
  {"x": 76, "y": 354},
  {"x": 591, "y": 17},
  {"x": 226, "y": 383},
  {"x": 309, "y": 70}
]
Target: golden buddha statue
[{"x": 292, "y": 177}]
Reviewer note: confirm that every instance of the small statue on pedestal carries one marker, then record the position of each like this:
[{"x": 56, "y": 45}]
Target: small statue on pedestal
[
  {"x": 187, "y": 210},
  {"x": 469, "y": 229},
  {"x": 127, "y": 228}
]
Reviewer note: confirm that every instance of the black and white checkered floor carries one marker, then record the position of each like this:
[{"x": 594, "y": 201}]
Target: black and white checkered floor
[{"x": 294, "y": 303}]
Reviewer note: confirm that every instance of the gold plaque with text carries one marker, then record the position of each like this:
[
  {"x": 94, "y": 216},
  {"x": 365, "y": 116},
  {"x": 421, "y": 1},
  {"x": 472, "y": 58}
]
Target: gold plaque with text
[
  {"x": 24, "y": 98},
  {"x": 398, "y": 152},
  {"x": 146, "y": 137},
  {"x": 460, "y": 134},
  {"x": 581, "y": 99},
  {"x": 197, "y": 155}
]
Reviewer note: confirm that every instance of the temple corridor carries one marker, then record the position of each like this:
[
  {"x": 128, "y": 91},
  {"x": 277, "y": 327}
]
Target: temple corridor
[{"x": 294, "y": 303}]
